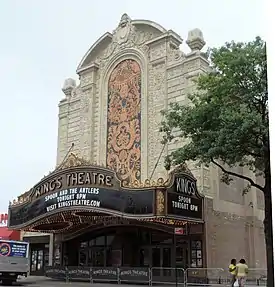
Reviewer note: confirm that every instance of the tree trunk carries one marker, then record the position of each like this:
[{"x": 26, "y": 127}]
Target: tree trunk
[{"x": 268, "y": 231}]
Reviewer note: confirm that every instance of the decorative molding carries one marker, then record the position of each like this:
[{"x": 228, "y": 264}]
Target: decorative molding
[{"x": 160, "y": 202}]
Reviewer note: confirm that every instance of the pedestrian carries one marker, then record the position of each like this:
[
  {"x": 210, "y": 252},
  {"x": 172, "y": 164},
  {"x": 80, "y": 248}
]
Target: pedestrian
[
  {"x": 241, "y": 272},
  {"x": 232, "y": 269}
]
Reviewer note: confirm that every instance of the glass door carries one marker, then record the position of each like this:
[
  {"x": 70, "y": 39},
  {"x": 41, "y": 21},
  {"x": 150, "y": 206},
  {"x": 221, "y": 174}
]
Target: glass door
[
  {"x": 166, "y": 261},
  {"x": 98, "y": 257},
  {"x": 156, "y": 261},
  {"x": 161, "y": 260},
  {"x": 83, "y": 257},
  {"x": 182, "y": 257},
  {"x": 37, "y": 262}
]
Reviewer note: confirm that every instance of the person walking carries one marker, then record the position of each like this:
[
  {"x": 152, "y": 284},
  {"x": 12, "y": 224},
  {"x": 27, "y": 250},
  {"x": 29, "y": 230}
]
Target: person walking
[
  {"x": 232, "y": 269},
  {"x": 241, "y": 272}
]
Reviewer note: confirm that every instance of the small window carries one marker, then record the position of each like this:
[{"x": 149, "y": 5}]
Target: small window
[
  {"x": 99, "y": 241},
  {"x": 196, "y": 253},
  {"x": 83, "y": 244}
]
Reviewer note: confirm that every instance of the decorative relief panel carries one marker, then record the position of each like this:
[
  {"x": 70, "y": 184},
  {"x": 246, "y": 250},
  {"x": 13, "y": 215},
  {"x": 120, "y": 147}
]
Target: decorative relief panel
[
  {"x": 175, "y": 71},
  {"x": 124, "y": 121},
  {"x": 160, "y": 202},
  {"x": 157, "y": 52},
  {"x": 126, "y": 35},
  {"x": 156, "y": 102},
  {"x": 174, "y": 56},
  {"x": 85, "y": 122}
]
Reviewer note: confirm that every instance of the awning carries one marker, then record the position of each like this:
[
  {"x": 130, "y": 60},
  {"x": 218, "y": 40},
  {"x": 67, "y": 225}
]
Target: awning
[{"x": 7, "y": 234}]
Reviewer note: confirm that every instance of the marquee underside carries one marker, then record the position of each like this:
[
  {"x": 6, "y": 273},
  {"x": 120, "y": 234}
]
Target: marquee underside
[{"x": 78, "y": 219}]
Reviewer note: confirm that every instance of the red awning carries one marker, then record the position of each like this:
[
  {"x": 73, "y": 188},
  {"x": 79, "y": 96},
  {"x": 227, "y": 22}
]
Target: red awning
[{"x": 7, "y": 234}]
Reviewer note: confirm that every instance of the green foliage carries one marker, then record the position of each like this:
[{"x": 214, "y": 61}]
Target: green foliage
[{"x": 227, "y": 119}]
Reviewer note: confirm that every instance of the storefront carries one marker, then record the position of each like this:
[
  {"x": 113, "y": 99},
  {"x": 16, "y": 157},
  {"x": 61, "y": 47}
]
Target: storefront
[
  {"x": 39, "y": 253},
  {"x": 7, "y": 234},
  {"x": 97, "y": 221}
]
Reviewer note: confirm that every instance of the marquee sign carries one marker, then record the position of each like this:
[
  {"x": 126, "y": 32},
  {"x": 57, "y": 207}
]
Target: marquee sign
[
  {"x": 183, "y": 198},
  {"x": 76, "y": 178},
  {"x": 90, "y": 188},
  {"x": 97, "y": 189}
]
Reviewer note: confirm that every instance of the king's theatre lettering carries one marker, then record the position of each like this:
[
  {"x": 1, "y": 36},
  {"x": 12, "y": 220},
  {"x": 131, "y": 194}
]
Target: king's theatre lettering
[{"x": 73, "y": 179}]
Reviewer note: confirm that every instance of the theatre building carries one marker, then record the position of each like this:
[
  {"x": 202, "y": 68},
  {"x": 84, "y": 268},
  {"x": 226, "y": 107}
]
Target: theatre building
[{"x": 111, "y": 202}]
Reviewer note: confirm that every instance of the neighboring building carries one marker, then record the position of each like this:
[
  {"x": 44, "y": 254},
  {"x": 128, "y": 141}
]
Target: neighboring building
[
  {"x": 40, "y": 252},
  {"x": 5, "y": 232},
  {"x": 110, "y": 121}
]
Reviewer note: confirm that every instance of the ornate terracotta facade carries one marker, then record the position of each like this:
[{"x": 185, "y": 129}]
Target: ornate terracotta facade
[
  {"x": 124, "y": 121},
  {"x": 107, "y": 128}
]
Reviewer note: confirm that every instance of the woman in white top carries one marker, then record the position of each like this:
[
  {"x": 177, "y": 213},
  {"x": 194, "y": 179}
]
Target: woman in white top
[{"x": 241, "y": 272}]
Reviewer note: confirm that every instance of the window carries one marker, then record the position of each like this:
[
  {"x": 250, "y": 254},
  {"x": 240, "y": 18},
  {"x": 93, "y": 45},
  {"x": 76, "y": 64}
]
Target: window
[
  {"x": 109, "y": 240},
  {"x": 100, "y": 241},
  {"x": 196, "y": 253}
]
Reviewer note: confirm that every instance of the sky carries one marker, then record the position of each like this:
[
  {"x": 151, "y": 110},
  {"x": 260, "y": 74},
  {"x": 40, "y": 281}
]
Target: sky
[{"x": 41, "y": 44}]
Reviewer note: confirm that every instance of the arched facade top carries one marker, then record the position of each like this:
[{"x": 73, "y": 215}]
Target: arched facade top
[
  {"x": 124, "y": 29},
  {"x": 130, "y": 53},
  {"x": 105, "y": 39},
  {"x": 149, "y": 23}
]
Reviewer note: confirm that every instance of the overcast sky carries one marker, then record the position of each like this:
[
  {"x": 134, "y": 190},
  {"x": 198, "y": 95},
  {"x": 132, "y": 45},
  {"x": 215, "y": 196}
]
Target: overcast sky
[{"x": 42, "y": 43}]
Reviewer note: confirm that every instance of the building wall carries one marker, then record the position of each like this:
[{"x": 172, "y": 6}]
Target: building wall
[{"x": 167, "y": 75}]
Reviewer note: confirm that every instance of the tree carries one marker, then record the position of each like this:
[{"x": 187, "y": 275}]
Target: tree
[{"x": 227, "y": 122}]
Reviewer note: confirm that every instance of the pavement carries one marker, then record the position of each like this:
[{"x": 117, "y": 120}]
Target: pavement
[{"x": 37, "y": 281}]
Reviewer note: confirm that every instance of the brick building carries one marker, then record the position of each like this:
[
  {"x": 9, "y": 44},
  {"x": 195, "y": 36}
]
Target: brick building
[{"x": 112, "y": 117}]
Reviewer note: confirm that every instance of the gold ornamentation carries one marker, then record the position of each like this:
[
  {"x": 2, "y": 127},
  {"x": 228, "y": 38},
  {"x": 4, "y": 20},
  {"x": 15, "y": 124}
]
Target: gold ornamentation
[
  {"x": 73, "y": 161},
  {"x": 147, "y": 183},
  {"x": 160, "y": 201},
  {"x": 124, "y": 121}
]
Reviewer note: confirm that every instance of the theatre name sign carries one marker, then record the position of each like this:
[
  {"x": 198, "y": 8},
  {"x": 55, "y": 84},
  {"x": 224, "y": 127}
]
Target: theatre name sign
[
  {"x": 99, "y": 189},
  {"x": 183, "y": 198},
  {"x": 71, "y": 189}
]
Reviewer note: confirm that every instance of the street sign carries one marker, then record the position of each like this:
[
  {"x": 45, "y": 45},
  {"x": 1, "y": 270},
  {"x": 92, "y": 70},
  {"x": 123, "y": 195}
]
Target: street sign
[{"x": 179, "y": 231}]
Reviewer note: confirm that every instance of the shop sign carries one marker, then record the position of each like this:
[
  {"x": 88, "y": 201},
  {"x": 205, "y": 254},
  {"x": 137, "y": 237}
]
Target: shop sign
[
  {"x": 3, "y": 219},
  {"x": 179, "y": 231}
]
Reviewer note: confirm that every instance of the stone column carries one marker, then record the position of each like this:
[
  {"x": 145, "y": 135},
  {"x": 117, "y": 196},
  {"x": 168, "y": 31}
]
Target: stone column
[
  {"x": 51, "y": 249},
  {"x": 89, "y": 107}
]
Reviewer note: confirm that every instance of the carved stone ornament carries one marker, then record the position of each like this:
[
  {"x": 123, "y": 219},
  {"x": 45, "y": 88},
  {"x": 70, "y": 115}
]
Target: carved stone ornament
[
  {"x": 147, "y": 183},
  {"x": 121, "y": 34},
  {"x": 182, "y": 168},
  {"x": 174, "y": 56},
  {"x": 126, "y": 36},
  {"x": 73, "y": 161}
]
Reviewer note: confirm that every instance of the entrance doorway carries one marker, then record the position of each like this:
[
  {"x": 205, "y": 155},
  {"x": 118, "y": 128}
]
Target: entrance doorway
[
  {"x": 38, "y": 254},
  {"x": 130, "y": 246},
  {"x": 39, "y": 258},
  {"x": 37, "y": 262},
  {"x": 162, "y": 260}
]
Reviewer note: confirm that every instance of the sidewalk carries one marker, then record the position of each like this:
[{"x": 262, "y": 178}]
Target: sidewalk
[{"x": 37, "y": 281}]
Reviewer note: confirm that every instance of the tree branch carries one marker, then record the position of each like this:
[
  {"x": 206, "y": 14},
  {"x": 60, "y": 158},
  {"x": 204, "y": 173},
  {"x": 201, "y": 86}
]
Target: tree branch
[{"x": 238, "y": 175}]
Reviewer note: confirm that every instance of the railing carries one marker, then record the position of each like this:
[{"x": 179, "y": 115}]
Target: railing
[
  {"x": 167, "y": 275},
  {"x": 205, "y": 277},
  {"x": 153, "y": 276}
]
